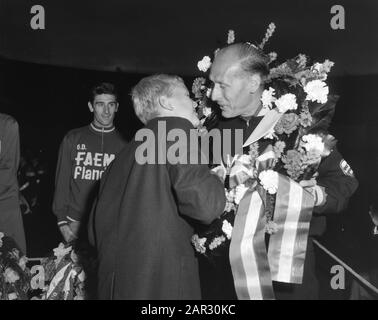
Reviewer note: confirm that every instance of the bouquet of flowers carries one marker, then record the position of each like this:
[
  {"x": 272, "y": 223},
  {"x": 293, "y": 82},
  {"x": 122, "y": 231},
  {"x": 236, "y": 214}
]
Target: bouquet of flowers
[
  {"x": 14, "y": 275},
  {"x": 238, "y": 176},
  {"x": 65, "y": 275},
  {"x": 296, "y": 144}
]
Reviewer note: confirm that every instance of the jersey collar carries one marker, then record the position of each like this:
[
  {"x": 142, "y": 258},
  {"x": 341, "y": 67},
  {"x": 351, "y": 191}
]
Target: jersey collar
[{"x": 102, "y": 129}]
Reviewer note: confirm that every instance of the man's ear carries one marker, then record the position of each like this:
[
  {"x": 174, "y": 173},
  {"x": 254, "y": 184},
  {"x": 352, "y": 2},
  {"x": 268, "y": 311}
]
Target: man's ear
[
  {"x": 90, "y": 106},
  {"x": 165, "y": 103},
  {"x": 116, "y": 108},
  {"x": 255, "y": 82}
]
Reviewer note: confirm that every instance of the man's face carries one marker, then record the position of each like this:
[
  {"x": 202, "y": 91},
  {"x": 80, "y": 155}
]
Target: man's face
[
  {"x": 184, "y": 106},
  {"x": 104, "y": 108},
  {"x": 231, "y": 88}
]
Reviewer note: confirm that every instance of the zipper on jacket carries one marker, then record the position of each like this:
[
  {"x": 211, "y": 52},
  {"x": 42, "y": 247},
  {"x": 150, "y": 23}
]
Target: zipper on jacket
[{"x": 102, "y": 140}]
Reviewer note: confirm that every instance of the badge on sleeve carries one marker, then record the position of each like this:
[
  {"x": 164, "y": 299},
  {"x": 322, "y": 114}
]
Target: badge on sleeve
[{"x": 346, "y": 169}]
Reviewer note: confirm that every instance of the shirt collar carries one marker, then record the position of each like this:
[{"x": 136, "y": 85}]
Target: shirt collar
[
  {"x": 102, "y": 129},
  {"x": 255, "y": 115}
]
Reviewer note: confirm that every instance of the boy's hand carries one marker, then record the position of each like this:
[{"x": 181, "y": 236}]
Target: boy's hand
[{"x": 67, "y": 233}]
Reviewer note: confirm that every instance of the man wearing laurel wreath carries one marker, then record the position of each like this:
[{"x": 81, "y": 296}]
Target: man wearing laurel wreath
[{"x": 291, "y": 176}]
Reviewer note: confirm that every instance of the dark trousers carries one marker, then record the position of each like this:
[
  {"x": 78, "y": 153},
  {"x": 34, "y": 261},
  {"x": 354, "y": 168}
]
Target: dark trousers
[
  {"x": 216, "y": 278},
  {"x": 217, "y": 282},
  {"x": 11, "y": 225}
]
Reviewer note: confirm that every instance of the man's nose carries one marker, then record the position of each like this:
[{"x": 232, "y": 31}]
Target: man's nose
[
  {"x": 215, "y": 93},
  {"x": 106, "y": 110}
]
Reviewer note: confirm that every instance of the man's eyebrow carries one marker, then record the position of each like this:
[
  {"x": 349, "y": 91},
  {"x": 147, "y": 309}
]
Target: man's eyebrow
[
  {"x": 218, "y": 81},
  {"x": 221, "y": 83},
  {"x": 102, "y": 101}
]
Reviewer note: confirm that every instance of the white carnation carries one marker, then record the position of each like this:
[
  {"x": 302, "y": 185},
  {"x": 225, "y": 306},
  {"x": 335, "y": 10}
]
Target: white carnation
[
  {"x": 199, "y": 243},
  {"x": 240, "y": 190},
  {"x": 10, "y": 275},
  {"x": 216, "y": 242},
  {"x": 316, "y": 90},
  {"x": 286, "y": 102},
  {"x": 268, "y": 98},
  {"x": 12, "y": 296},
  {"x": 230, "y": 195},
  {"x": 269, "y": 180},
  {"x": 204, "y": 64},
  {"x": 244, "y": 159},
  {"x": 271, "y": 227},
  {"x": 317, "y": 66},
  {"x": 227, "y": 229},
  {"x": 313, "y": 142},
  {"x": 206, "y": 111},
  {"x": 229, "y": 206}
]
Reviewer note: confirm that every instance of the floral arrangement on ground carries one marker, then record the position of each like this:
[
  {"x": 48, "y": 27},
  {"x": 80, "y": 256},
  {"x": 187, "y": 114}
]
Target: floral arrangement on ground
[{"x": 61, "y": 276}]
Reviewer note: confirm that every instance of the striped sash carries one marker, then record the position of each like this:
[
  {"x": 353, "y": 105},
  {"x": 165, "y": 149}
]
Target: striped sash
[{"x": 254, "y": 268}]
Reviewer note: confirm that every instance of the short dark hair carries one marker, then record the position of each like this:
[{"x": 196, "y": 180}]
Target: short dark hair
[{"x": 104, "y": 88}]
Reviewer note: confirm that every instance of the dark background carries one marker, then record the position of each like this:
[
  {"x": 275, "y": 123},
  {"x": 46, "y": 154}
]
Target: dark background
[{"x": 45, "y": 76}]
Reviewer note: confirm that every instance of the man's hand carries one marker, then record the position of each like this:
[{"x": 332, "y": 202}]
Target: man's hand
[
  {"x": 67, "y": 233},
  {"x": 373, "y": 212},
  {"x": 317, "y": 191},
  {"x": 75, "y": 225},
  {"x": 308, "y": 183}
]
